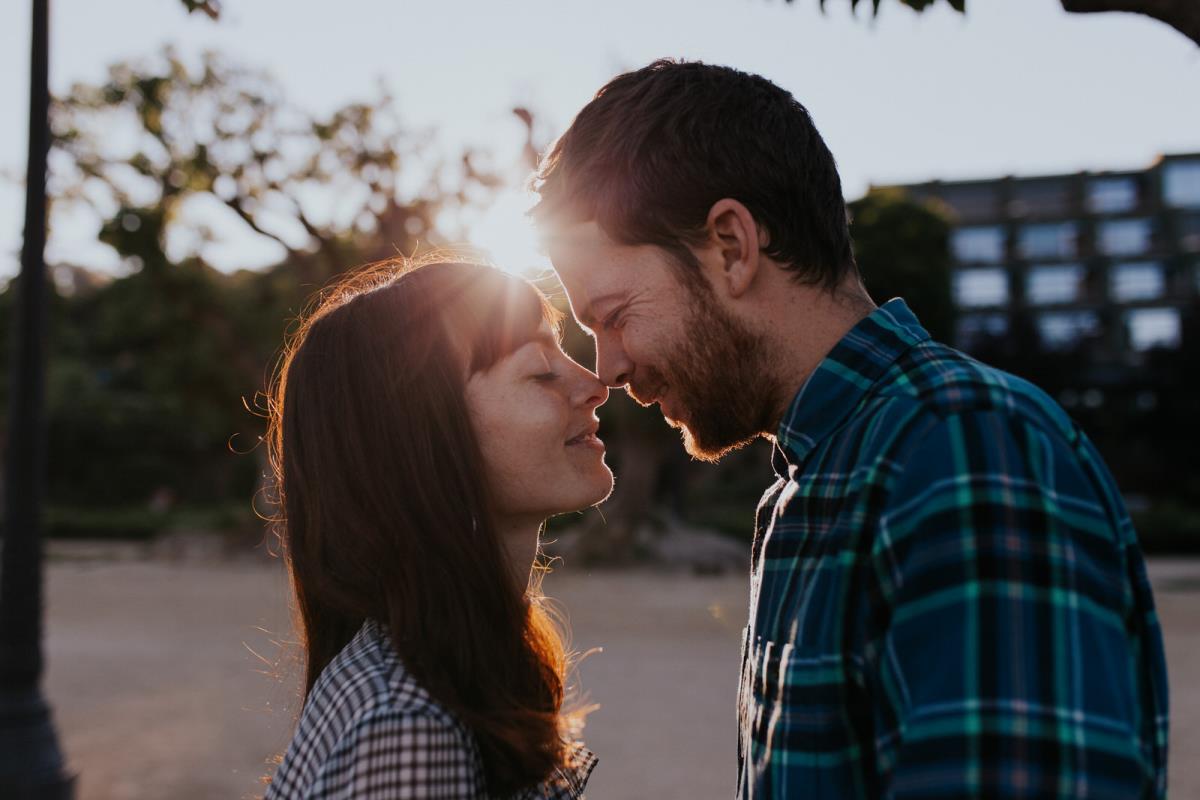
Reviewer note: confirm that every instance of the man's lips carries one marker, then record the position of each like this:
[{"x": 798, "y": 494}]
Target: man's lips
[{"x": 645, "y": 398}]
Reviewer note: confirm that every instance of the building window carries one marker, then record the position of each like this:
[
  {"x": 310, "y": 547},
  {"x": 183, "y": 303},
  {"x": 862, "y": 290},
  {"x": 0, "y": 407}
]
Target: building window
[
  {"x": 1054, "y": 283},
  {"x": 1051, "y": 240},
  {"x": 1040, "y": 198},
  {"x": 1136, "y": 280},
  {"x": 971, "y": 202},
  {"x": 1061, "y": 330},
  {"x": 1124, "y": 237},
  {"x": 1181, "y": 184},
  {"x": 1153, "y": 327},
  {"x": 971, "y": 329},
  {"x": 1111, "y": 195},
  {"x": 980, "y": 288},
  {"x": 983, "y": 244},
  {"x": 1189, "y": 232}
]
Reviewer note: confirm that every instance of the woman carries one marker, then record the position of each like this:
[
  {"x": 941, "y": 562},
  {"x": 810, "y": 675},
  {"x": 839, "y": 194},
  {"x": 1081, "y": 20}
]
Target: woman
[{"x": 424, "y": 424}]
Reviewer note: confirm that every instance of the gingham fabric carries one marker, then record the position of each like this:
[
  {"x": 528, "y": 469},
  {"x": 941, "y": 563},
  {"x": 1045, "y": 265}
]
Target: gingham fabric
[
  {"x": 370, "y": 732},
  {"x": 948, "y": 598}
]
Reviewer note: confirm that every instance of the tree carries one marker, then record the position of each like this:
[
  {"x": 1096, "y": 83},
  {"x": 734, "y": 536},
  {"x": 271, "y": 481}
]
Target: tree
[
  {"x": 902, "y": 251},
  {"x": 1182, "y": 15},
  {"x": 223, "y": 140},
  {"x": 165, "y": 355}
]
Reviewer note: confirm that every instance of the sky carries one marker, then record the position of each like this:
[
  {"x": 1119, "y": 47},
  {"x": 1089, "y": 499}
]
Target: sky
[{"x": 1013, "y": 87}]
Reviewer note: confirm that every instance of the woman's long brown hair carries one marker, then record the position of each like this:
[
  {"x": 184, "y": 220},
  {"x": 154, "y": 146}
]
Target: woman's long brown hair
[{"x": 384, "y": 507}]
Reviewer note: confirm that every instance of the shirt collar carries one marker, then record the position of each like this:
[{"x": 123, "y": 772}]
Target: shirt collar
[{"x": 840, "y": 381}]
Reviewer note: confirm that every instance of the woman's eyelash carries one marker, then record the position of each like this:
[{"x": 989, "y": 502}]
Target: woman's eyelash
[{"x": 545, "y": 376}]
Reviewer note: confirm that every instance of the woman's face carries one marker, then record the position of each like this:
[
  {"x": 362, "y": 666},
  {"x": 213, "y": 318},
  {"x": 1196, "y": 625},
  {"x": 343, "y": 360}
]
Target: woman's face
[{"x": 534, "y": 415}]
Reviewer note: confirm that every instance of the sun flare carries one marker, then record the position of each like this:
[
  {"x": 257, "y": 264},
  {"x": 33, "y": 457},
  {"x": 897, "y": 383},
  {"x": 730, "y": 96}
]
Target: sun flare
[{"x": 504, "y": 232}]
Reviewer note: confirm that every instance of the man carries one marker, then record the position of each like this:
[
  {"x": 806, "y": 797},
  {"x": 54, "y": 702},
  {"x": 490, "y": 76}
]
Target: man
[{"x": 947, "y": 597}]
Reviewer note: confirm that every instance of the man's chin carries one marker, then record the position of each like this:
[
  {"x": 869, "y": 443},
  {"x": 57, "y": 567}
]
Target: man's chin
[{"x": 710, "y": 450}]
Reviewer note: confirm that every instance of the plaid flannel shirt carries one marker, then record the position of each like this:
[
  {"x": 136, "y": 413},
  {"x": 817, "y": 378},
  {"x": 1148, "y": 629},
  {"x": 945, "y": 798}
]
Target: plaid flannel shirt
[
  {"x": 948, "y": 598},
  {"x": 370, "y": 732}
]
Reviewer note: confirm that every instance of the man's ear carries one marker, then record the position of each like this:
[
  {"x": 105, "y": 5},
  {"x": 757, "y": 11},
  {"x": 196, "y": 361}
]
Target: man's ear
[{"x": 738, "y": 241}]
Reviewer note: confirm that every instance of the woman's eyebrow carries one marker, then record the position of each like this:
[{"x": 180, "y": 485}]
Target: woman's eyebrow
[{"x": 536, "y": 346}]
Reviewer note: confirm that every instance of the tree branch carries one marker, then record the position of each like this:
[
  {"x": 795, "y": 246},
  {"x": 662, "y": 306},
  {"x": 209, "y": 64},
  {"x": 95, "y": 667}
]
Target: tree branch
[
  {"x": 303, "y": 219},
  {"x": 235, "y": 203},
  {"x": 1182, "y": 15}
]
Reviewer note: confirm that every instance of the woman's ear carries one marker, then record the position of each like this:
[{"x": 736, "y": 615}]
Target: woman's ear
[{"x": 738, "y": 241}]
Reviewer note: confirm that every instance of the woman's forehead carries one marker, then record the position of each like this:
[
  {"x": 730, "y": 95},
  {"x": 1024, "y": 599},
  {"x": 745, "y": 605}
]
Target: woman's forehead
[{"x": 544, "y": 339}]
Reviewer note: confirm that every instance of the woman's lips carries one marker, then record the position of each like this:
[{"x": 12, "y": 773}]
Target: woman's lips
[
  {"x": 587, "y": 437},
  {"x": 588, "y": 440}
]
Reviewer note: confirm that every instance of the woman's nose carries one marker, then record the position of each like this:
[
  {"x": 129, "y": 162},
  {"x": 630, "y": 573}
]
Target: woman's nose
[{"x": 593, "y": 391}]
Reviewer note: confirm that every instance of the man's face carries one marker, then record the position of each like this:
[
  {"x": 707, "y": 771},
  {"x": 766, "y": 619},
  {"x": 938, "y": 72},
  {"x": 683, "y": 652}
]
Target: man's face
[{"x": 666, "y": 341}]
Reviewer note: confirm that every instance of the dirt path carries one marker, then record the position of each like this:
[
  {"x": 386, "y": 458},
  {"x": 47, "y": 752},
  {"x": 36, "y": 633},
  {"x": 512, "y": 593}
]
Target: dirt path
[{"x": 157, "y": 693}]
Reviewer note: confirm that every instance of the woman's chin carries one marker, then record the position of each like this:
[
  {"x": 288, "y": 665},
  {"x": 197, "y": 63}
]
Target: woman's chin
[
  {"x": 591, "y": 490},
  {"x": 604, "y": 485}
]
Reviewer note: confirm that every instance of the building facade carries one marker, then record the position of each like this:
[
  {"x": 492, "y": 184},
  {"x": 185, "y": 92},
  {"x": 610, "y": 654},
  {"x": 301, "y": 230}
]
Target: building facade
[{"x": 1111, "y": 258}]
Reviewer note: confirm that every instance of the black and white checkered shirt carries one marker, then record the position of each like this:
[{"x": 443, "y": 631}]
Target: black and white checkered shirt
[{"x": 370, "y": 732}]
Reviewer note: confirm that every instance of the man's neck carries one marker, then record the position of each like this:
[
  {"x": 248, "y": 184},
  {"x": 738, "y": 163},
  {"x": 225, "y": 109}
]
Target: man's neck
[{"x": 803, "y": 326}]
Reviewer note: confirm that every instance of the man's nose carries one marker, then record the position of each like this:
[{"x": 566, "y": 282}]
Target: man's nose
[{"x": 612, "y": 364}]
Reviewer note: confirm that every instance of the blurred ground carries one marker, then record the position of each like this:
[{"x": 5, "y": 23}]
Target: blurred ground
[{"x": 157, "y": 694}]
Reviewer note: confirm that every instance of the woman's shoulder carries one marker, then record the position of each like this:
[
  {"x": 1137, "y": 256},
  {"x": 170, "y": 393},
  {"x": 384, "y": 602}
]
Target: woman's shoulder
[
  {"x": 368, "y": 673},
  {"x": 567, "y": 781},
  {"x": 368, "y": 724}
]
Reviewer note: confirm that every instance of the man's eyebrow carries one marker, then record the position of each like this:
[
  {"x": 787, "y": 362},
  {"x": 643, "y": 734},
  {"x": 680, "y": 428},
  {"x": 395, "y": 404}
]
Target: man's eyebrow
[{"x": 585, "y": 318}]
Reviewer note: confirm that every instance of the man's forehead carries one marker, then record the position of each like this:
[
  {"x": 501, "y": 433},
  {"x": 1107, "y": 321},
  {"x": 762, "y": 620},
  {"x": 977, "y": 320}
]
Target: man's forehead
[
  {"x": 587, "y": 263},
  {"x": 576, "y": 236}
]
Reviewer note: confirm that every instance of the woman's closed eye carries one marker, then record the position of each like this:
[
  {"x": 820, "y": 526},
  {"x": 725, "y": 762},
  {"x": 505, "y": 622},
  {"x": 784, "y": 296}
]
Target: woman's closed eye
[{"x": 545, "y": 377}]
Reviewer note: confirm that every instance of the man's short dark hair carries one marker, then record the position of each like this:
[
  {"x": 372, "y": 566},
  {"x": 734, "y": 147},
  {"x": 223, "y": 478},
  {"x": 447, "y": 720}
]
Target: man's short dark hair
[{"x": 655, "y": 148}]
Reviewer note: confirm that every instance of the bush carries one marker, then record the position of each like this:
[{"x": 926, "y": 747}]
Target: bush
[{"x": 136, "y": 524}]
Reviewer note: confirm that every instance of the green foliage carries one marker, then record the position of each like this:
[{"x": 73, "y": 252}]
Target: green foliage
[
  {"x": 147, "y": 376},
  {"x": 902, "y": 249}
]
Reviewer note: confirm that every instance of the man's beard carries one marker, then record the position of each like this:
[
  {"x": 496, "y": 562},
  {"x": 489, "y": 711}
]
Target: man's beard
[{"x": 718, "y": 379}]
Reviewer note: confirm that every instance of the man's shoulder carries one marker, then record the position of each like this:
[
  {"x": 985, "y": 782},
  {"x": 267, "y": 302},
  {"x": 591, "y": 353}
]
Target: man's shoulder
[{"x": 932, "y": 382}]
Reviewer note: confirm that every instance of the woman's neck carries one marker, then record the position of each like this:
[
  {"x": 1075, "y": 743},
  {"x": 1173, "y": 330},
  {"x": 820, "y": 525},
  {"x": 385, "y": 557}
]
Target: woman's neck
[{"x": 520, "y": 541}]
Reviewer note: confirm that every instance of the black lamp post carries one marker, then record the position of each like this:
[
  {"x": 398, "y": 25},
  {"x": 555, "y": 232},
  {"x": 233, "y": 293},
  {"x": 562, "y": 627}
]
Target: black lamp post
[{"x": 31, "y": 763}]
